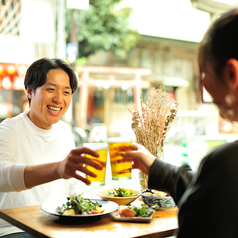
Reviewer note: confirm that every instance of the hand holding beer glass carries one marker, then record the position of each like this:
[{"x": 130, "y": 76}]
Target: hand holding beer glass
[
  {"x": 121, "y": 169},
  {"x": 102, "y": 149}
]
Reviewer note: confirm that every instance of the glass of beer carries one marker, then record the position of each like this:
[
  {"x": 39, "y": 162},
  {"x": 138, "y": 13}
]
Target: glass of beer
[
  {"x": 121, "y": 169},
  {"x": 102, "y": 149}
]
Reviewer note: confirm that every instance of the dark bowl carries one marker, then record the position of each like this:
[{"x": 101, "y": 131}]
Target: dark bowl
[{"x": 160, "y": 203}]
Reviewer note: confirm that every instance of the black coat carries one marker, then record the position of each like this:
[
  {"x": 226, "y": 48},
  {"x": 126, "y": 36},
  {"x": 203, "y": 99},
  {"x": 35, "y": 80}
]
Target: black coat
[{"x": 207, "y": 200}]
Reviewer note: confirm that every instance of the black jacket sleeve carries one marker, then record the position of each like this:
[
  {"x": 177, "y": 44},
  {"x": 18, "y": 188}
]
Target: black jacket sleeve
[
  {"x": 169, "y": 178},
  {"x": 209, "y": 207}
]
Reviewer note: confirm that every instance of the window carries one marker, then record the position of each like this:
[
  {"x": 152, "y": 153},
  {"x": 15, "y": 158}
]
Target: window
[{"x": 123, "y": 96}]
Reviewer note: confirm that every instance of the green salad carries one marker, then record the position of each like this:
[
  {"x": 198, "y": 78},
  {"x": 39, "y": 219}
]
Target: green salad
[
  {"x": 77, "y": 205},
  {"x": 120, "y": 192}
]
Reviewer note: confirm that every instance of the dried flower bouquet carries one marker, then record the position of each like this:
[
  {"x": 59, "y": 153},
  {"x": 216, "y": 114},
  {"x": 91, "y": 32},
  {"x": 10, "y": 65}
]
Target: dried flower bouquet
[{"x": 152, "y": 123}]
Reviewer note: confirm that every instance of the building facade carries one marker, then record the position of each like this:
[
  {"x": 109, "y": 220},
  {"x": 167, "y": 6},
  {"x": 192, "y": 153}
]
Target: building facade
[
  {"x": 168, "y": 63},
  {"x": 27, "y": 32}
]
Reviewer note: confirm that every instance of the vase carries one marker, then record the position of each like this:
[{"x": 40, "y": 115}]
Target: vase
[{"x": 143, "y": 178}]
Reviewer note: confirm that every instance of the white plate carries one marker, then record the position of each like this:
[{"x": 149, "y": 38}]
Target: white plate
[
  {"x": 50, "y": 207},
  {"x": 117, "y": 217}
]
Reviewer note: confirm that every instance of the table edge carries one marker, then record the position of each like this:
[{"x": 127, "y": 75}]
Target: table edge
[{"x": 21, "y": 226}]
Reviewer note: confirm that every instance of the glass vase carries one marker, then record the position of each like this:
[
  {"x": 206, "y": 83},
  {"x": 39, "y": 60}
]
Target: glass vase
[{"x": 143, "y": 178}]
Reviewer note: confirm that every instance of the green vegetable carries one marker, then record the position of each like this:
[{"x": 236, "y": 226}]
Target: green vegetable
[
  {"x": 78, "y": 204},
  {"x": 120, "y": 192},
  {"x": 140, "y": 212},
  {"x": 143, "y": 211}
]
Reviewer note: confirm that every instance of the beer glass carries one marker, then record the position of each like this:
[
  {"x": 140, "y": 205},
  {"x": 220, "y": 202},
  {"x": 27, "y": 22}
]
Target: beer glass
[
  {"x": 102, "y": 149},
  {"x": 121, "y": 169}
]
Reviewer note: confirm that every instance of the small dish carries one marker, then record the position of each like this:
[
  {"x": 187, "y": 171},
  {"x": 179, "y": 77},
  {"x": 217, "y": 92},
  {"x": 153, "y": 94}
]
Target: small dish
[
  {"x": 162, "y": 203},
  {"x": 118, "y": 200},
  {"x": 117, "y": 217}
]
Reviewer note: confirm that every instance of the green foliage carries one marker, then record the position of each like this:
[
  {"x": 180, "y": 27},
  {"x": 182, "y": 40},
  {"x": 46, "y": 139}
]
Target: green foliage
[
  {"x": 104, "y": 26},
  {"x": 81, "y": 61}
]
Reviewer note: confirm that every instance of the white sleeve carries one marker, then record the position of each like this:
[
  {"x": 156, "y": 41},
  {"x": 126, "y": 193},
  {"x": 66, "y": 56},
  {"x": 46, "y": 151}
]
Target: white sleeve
[
  {"x": 12, "y": 178},
  {"x": 11, "y": 173}
]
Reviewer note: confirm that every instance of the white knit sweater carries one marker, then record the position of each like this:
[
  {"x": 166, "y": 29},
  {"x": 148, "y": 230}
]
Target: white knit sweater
[{"x": 23, "y": 143}]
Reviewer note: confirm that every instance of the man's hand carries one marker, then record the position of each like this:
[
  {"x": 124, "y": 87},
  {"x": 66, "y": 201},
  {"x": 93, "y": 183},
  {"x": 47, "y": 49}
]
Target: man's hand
[{"x": 76, "y": 161}]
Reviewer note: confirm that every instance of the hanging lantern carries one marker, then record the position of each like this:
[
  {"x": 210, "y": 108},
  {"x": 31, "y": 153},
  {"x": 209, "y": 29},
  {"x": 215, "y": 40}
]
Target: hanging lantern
[
  {"x": 22, "y": 70},
  {"x": 11, "y": 70},
  {"x": 6, "y": 83},
  {"x": 1, "y": 70}
]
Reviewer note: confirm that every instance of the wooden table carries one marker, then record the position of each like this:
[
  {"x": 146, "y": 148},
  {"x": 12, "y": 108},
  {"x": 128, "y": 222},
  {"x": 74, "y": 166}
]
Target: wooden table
[{"x": 40, "y": 224}]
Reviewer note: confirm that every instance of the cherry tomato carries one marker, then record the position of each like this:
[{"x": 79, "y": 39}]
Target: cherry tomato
[{"x": 94, "y": 212}]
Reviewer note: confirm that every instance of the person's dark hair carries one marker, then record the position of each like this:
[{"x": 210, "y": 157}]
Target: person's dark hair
[
  {"x": 37, "y": 72},
  {"x": 220, "y": 43}
]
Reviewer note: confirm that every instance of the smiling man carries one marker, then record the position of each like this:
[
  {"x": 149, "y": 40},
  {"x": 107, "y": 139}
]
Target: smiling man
[
  {"x": 37, "y": 151},
  {"x": 50, "y": 101}
]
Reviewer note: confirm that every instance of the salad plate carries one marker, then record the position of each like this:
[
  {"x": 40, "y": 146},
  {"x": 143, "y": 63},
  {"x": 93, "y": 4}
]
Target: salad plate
[{"x": 50, "y": 207}]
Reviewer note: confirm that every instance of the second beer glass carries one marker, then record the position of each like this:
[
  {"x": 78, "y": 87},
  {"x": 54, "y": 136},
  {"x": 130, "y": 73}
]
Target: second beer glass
[{"x": 121, "y": 169}]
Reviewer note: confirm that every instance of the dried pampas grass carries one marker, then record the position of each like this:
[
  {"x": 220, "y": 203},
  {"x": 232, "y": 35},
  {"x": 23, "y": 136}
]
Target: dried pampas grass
[{"x": 152, "y": 123}]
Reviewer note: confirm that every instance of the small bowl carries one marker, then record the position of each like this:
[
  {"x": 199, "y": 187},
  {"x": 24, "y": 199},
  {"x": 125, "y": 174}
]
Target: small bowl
[
  {"x": 118, "y": 200},
  {"x": 163, "y": 203}
]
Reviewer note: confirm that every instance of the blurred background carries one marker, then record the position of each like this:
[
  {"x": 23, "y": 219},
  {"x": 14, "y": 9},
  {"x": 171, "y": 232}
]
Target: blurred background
[{"x": 119, "y": 50}]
